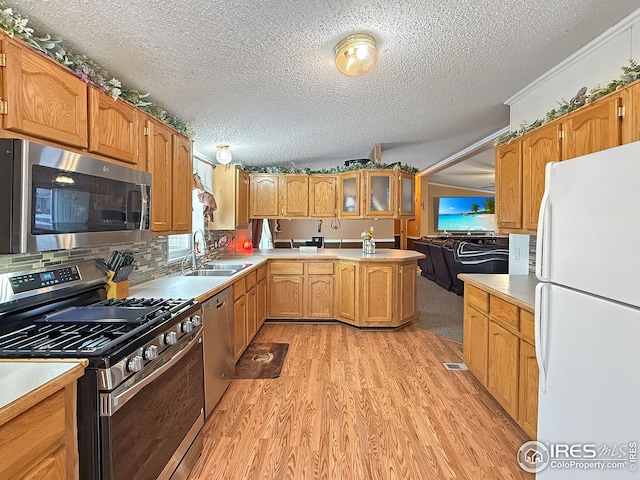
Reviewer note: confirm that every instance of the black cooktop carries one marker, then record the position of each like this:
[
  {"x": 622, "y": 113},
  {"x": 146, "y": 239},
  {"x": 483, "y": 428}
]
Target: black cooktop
[{"x": 91, "y": 330}]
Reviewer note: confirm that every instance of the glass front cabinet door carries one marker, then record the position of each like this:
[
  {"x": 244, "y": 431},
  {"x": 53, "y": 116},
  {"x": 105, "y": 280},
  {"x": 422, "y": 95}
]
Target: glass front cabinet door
[
  {"x": 350, "y": 195},
  {"x": 380, "y": 193},
  {"x": 406, "y": 195}
]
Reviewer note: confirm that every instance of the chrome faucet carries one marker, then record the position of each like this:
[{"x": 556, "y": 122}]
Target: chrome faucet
[
  {"x": 195, "y": 247},
  {"x": 192, "y": 253}
]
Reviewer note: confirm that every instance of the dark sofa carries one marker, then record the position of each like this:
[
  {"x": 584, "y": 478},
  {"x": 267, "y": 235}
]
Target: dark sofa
[{"x": 446, "y": 258}]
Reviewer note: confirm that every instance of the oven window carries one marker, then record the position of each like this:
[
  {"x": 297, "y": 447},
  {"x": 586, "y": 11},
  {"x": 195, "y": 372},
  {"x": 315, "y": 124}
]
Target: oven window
[
  {"x": 70, "y": 202},
  {"x": 142, "y": 436}
]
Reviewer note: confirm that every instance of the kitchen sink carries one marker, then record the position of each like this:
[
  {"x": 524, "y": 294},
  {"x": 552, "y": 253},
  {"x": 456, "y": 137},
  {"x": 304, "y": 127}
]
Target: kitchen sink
[
  {"x": 227, "y": 266},
  {"x": 211, "y": 273}
]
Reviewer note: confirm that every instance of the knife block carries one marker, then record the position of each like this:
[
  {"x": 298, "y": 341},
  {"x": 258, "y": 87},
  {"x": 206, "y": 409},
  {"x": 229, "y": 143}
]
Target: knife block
[{"x": 117, "y": 289}]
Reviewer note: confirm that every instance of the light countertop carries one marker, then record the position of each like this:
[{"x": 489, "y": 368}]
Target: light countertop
[
  {"x": 517, "y": 289},
  {"x": 201, "y": 288},
  {"x": 24, "y": 383}
]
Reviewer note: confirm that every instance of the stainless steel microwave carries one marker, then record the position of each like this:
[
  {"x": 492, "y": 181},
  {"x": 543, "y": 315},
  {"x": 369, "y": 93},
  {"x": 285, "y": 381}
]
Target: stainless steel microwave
[{"x": 52, "y": 199}]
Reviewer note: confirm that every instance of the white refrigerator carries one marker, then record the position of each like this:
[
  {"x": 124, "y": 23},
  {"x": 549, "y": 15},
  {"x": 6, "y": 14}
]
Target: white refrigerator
[{"x": 587, "y": 310}]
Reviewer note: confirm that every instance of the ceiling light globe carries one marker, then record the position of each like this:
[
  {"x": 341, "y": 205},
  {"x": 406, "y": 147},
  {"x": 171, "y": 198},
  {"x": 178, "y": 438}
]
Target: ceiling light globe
[
  {"x": 356, "y": 54},
  {"x": 223, "y": 155}
]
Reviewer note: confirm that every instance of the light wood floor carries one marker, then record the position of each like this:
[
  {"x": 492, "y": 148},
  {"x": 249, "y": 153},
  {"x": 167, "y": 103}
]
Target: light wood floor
[{"x": 353, "y": 404}]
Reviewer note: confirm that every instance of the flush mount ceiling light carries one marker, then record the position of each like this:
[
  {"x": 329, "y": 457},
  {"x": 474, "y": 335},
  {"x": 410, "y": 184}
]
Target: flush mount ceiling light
[
  {"x": 356, "y": 54},
  {"x": 223, "y": 155}
]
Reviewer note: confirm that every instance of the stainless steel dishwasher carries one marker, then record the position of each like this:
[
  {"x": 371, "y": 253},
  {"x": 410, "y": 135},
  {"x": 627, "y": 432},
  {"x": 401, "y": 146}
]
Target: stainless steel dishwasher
[{"x": 219, "y": 359}]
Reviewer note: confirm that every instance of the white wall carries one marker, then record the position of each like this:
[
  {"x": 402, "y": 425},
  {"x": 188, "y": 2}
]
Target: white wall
[
  {"x": 300, "y": 230},
  {"x": 597, "y": 63}
]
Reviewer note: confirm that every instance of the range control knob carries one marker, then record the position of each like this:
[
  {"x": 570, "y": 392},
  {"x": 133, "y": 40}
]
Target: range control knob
[
  {"x": 151, "y": 352},
  {"x": 197, "y": 321},
  {"x": 187, "y": 326},
  {"x": 170, "y": 338},
  {"x": 134, "y": 364}
]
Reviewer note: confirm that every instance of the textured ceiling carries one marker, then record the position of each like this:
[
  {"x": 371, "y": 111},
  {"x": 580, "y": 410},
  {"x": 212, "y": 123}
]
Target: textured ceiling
[{"x": 260, "y": 76}]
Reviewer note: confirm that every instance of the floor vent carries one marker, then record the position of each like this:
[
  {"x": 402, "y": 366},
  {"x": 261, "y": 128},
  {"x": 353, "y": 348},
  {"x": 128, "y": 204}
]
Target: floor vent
[{"x": 455, "y": 366}]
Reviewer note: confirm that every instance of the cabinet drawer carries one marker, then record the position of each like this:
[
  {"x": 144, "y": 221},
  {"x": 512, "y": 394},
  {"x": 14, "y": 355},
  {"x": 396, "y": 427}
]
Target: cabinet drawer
[
  {"x": 527, "y": 325},
  {"x": 286, "y": 268},
  {"x": 262, "y": 272},
  {"x": 320, "y": 268},
  {"x": 239, "y": 288},
  {"x": 504, "y": 311},
  {"x": 250, "y": 279},
  {"x": 477, "y": 298}
]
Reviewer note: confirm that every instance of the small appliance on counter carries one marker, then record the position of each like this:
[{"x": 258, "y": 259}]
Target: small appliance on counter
[{"x": 315, "y": 242}]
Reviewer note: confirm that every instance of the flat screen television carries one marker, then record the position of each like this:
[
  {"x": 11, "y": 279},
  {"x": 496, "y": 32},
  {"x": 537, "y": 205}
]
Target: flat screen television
[{"x": 465, "y": 214}]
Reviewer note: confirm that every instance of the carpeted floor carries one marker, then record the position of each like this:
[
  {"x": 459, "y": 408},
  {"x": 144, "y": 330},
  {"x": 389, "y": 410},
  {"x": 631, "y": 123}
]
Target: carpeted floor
[{"x": 439, "y": 310}]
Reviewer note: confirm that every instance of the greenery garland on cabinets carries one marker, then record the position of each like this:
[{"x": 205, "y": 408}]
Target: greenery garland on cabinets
[
  {"x": 15, "y": 25},
  {"x": 335, "y": 170},
  {"x": 630, "y": 74}
]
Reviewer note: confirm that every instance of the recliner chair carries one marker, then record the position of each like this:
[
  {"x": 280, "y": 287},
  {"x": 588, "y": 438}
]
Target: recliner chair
[
  {"x": 465, "y": 257},
  {"x": 425, "y": 264},
  {"x": 443, "y": 278}
]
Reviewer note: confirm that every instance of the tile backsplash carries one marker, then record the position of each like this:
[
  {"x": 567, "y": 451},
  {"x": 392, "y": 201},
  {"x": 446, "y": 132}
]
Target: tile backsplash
[
  {"x": 150, "y": 257},
  {"x": 532, "y": 255}
]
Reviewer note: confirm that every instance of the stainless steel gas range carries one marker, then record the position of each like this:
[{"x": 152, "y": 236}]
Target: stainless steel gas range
[{"x": 141, "y": 399}]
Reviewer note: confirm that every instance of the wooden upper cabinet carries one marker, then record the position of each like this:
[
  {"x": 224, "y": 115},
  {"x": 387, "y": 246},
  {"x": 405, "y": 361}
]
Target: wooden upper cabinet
[
  {"x": 294, "y": 195},
  {"x": 406, "y": 195},
  {"x": 594, "y": 128},
  {"x": 540, "y": 147},
  {"x": 264, "y": 196},
  {"x": 231, "y": 190},
  {"x": 113, "y": 127},
  {"x": 509, "y": 185},
  {"x": 380, "y": 199},
  {"x": 158, "y": 149},
  {"x": 350, "y": 195},
  {"x": 181, "y": 184},
  {"x": 631, "y": 120},
  {"x": 242, "y": 199},
  {"x": 322, "y": 196},
  {"x": 44, "y": 99}
]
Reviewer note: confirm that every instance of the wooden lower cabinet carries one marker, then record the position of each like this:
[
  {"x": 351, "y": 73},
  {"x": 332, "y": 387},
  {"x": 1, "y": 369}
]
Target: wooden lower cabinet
[
  {"x": 239, "y": 326},
  {"x": 252, "y": 314},
  {"x": 378, "y": 294},
  {"x": 362, "y": 293},
  {"x": 249, "y": 308},
  {"x": 408, "y": 292},
  {"x": 528, "y": 389},
  {"x": 261, "y": 297},
  {"x": 285, "y": 296},
  {"x": 41, "y": 441},
  {"x": 499, "y": 351},
  {"x": 320, "y": 296},
  {"x": 347, "y": 280},
  {"x": 476, "y": 338},
  {"x": 502, "y": 371}
]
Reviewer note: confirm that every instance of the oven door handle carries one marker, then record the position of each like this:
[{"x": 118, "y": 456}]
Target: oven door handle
[{"x": 110, "y": 403}]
